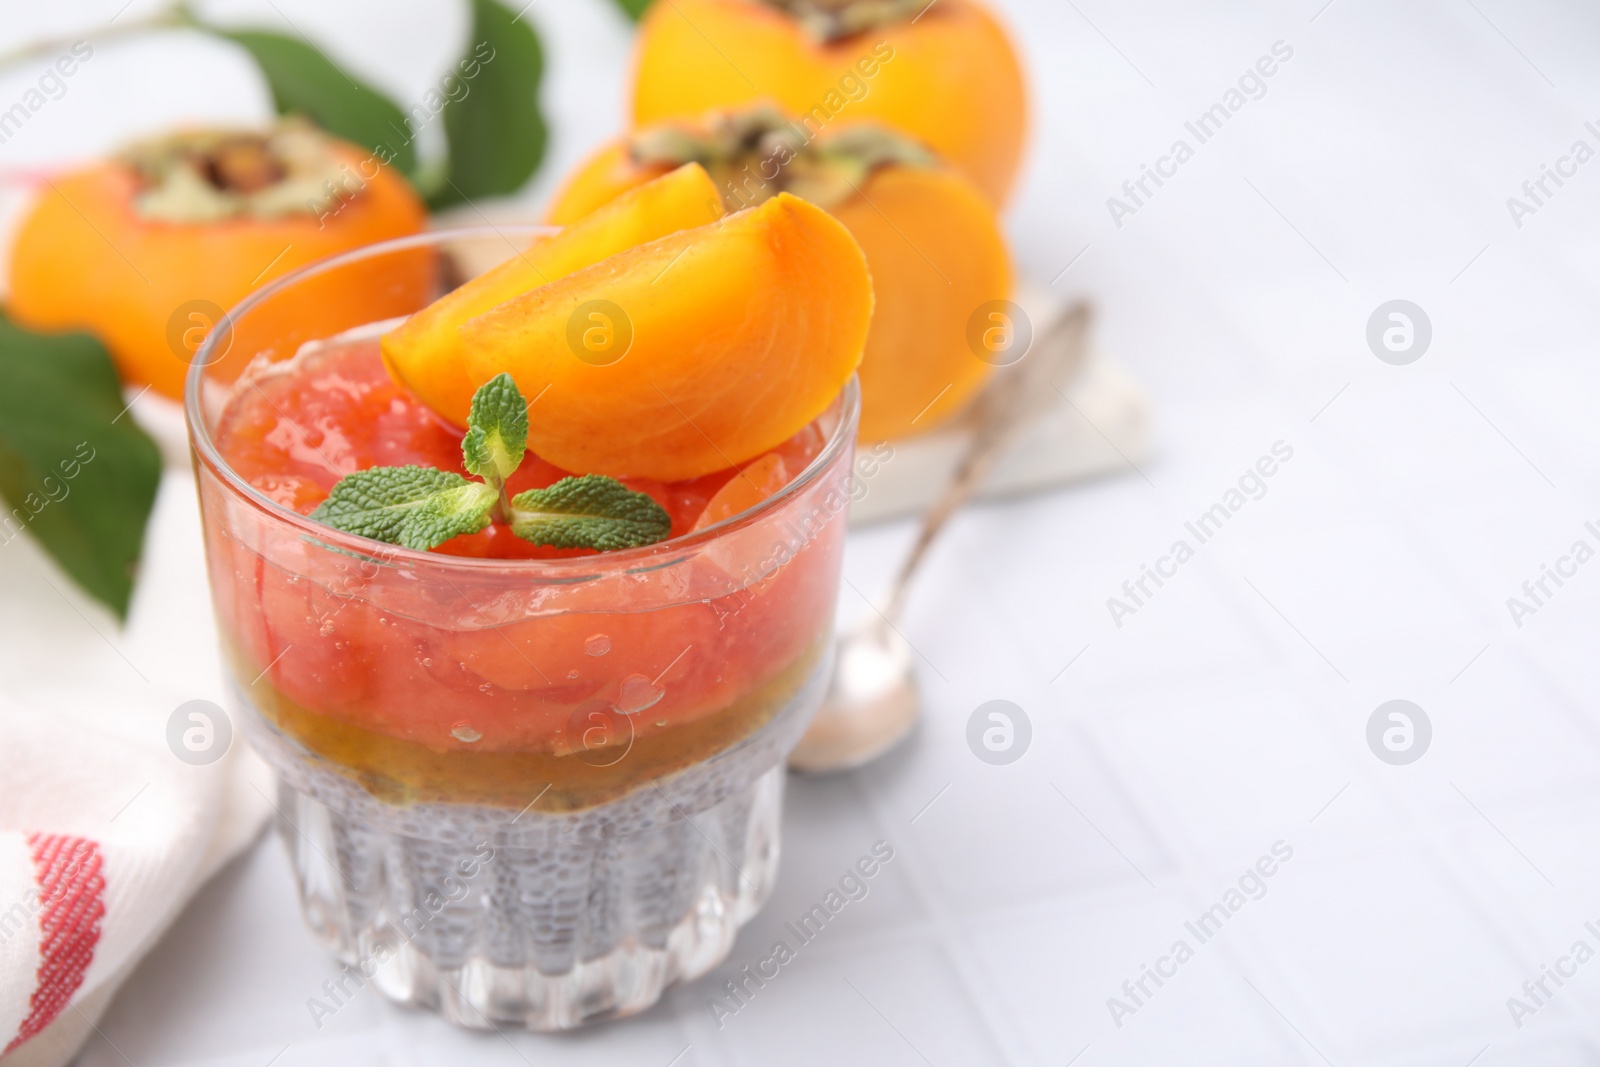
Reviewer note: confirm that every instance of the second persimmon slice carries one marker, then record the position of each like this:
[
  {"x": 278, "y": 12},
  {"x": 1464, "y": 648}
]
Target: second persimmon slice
[
  {"x": 753, "y": 484},
  {"x": 727, "y": 340}
]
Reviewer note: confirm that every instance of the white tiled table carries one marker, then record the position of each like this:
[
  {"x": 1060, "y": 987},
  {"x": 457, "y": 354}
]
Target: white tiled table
[{"x": 1229, "y": 713}]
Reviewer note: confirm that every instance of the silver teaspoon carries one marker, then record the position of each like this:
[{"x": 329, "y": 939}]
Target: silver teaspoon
[{"x": 872, "y": 700}]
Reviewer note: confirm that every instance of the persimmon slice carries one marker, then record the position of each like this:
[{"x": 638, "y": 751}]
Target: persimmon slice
[
  {"x": 745, "y": 490},
  {"x": 742, "y": 332},
  {"x": 425, "y": 354},
  {"x": 932, "y": 242}
]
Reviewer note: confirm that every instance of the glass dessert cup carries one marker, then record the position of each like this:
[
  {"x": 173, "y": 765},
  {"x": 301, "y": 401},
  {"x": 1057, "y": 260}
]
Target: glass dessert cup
[{"x": 517, "y": 791}]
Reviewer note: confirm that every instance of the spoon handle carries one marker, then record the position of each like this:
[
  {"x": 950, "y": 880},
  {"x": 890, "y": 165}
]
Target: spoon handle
[{"x": 1002, "y": 412}]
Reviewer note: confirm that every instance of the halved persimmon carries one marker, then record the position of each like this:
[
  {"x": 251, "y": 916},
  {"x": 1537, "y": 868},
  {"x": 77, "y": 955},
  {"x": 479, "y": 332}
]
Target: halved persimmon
[
  {"x": 741, "y": 333},
  {"x": 426, "y": 354}
]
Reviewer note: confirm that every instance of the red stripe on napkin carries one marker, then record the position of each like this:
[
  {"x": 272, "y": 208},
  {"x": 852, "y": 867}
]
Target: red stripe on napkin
[{"x": 71, "y": 891}]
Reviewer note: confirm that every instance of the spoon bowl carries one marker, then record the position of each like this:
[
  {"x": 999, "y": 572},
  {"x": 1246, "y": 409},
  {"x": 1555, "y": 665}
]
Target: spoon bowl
[{"x": 870, "y": 706}]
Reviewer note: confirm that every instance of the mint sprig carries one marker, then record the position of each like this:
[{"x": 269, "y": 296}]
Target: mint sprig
[{"x": 423, "y": 507}]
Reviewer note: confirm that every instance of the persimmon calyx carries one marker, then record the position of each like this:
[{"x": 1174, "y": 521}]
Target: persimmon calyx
[
  {"x": 206, "y": 175},
  {"x": 754, "y": 155},
  {"x": 830, "y": 20}
]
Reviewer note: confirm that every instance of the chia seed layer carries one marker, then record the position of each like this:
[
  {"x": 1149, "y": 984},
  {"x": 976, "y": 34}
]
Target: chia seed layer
[{"x": 538, "y": 919}]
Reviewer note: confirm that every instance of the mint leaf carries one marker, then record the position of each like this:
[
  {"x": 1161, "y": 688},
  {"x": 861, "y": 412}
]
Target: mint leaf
[
  {"x": 497, "y": 430},
  {"x": 448, "y": 513},
  {"x": 380, "y": 502},
  {"x": 304, "y": 81},
  {"x": 495, "y": 131},
  {"x": 591, "y": 511},
  {"x": 76, "y": 472}
]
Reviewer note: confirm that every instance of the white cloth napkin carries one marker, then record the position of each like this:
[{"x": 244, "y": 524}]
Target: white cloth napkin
[
  {"x": 104, "y": 836},
  {"x": 105, "y": 833}
]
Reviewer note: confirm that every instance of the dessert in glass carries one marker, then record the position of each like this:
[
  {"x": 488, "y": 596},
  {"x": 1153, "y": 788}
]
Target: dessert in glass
[{"x": 524, "y": 781}]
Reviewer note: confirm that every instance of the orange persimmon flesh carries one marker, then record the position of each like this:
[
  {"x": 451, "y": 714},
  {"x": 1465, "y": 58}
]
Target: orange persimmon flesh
[
  {"x": 745, "y": 490},
  {"x": 425, "y": 352},
  {"x": 743, "y": 332}
]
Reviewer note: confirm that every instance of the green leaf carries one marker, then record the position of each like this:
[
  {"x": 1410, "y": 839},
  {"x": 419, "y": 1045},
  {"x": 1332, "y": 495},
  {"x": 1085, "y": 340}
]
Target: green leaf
[
  {"x": 497, "y": 430},
  {"x": 495, "y": 132},
  {"x": 591, "y": 511},
  {"x": 76, "y": 471},
  {"x": 386, "y": 503},
  {"x": 463, "y": 510},
  {"x": 305, "y": 81},
  {"x": 634, "y": 9}
]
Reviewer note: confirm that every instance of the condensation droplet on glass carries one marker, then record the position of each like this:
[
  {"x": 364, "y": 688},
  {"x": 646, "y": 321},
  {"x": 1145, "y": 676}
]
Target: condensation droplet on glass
[
  {"x": 326, "y": 628},
  {"x": 463, "y": 731},
  {"x": 427, "y": 661},
  {"x": 572, "y": 673},
  {"x": 597, "y": 645},
  {"x": 638, "y": 693},
  {"x": 485, "y": 687}
]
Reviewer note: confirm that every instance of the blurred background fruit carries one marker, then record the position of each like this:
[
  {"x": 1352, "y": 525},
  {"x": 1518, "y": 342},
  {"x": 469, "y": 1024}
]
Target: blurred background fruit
[
  {"x": 945, "y": 73},
  {"x": 932, "y": 242},
  {"x": 146, "y": 249}
]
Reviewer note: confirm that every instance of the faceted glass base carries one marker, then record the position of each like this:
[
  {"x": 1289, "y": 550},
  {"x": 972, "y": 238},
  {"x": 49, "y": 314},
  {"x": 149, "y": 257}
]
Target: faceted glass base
[
  {"x": 548, "y": 940},
  {"x": 542, "y": 920}
]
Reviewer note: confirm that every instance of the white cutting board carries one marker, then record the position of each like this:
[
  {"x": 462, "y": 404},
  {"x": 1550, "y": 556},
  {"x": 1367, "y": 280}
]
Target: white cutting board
[{"x": 1099, "y": 423}]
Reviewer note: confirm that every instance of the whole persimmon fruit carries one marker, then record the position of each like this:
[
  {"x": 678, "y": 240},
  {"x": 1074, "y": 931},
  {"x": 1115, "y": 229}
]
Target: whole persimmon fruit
[
  {"x": 143, "y": 249},
  {"x": 932, "y": 241},
  {"x": 943, "y": 71}
]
